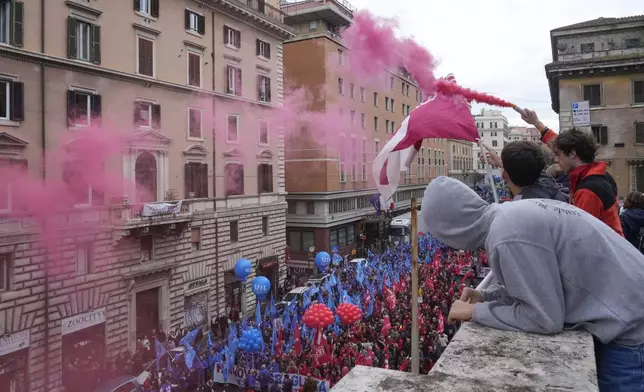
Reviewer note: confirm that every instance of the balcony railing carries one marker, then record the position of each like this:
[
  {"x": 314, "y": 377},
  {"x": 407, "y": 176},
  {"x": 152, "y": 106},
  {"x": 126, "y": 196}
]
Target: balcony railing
[
  {"x": 294, "y": 6},
  {"x": 159, "y": 211},
  {"x": 262, "y": 8}
]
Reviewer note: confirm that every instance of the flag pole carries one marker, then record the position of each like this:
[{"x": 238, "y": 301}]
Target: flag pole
[
  {"x": 415, "y": 350},
  {"x": 489, "y": 173}
]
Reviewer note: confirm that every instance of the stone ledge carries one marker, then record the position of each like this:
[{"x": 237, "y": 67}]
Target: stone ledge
[{"x": 483, "y": 359}]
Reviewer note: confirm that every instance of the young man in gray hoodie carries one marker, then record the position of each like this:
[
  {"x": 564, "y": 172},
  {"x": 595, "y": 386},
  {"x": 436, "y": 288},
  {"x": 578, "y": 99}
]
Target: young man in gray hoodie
[{"x": 555, "y": 265}]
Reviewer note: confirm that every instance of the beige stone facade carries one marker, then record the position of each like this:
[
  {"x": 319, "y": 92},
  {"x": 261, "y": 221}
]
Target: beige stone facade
[
  {"x": 460, "y": 160},
  {"x": 189, "y": 84}
]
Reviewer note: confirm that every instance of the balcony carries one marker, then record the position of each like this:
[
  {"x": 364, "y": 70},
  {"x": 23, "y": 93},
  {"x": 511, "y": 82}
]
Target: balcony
[
  {"x": 335, "y": 12},
  {"x": 261, "y": 8},
  {"x": 484, "y": 359}
]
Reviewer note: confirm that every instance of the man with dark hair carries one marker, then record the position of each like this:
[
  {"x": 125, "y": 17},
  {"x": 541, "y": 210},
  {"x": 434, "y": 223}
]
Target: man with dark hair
[
  {"x": 523, "y": 165},
  {"x": 591, "y": 188}
]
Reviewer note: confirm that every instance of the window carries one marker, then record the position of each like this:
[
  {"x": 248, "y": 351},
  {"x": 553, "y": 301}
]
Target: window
[
  {"x": 265, "y": 225},
  {"x": 341, "y": 57},
  {"x": 148, "y": 7},
  {"x": 387, "y": 103},
  {"x": 79, "y": 188},
  {"x": 495, "y": 125},
  {"x": 147, "y": 248},
  {"x": 147, "y": 115},
  {"x": 342, "y": 236},
  {"x": 233, "y": 128},
  {"x": 353, "y": 117},
  {"x": 375, "y": 99},
  {"x": 363, "y": 152},
  {"x": 363, "y": 95},
  {"x": 630, "y": 43},
  {"x": 82, "y": 108},
  {"x": 342, "y": 159},
  {"x": 638, "y": 91},
  {"x": 600, "y": 133},
  {"x": 588, "y": 48},
  {"x": 194, "y": 22},
  {"x": 11, "y": 100},
  {"x": 393, "y": 109},
  {"x": 592, "y": 93},
  {"x": 83, "y": 41},
  {"x": 196, "y": 180},
  {"x": 352, "y": 90},
  {"x": 146, "y": 57},
  {"x": 310, "y": 208},
  {"x": 639, "y": 132},
  {"x": 195, "y": 238},
  {"x": 263, "y": 49},
  {"x": 12, "y": 22},
  {"x": 234, "y": 231},
  {"x": 393, "y": 127},
  {"x": 263, "y": 132},
  {"x": 494, "y": 143},
  {"x": 194, "y": 69},
  {"x": 264, "y": 178},
  {"x": 391, "y": 82},
  {"x": 233, "y": 80},
  {"x": 194, "y": 123},
  {"x": 341, "y": 86},
  {"x": 482, "y": 125},
  {"x": 363, "y": 120},
  {"x": 292, "y": 207},
  {"x": 301, "y": 241},
  {"x": 375, "y": 123},
  {"x": 83, "y": 259},
  {"x": 232, "y": 37},
  {"x": 6, "y": 270},
  {"x": 354, "y": 159},
  {"x": 264, "y": 88},
  {"x": 234, "y": 179},
  {"x": 313, "y": 25},
  {"x": 386, "y": 125},
  {"x": 16, "y": 166}
]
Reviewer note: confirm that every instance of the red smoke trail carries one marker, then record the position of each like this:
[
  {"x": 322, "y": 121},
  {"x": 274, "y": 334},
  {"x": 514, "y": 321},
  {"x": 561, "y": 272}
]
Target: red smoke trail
[{"x": 450, "y": 88}]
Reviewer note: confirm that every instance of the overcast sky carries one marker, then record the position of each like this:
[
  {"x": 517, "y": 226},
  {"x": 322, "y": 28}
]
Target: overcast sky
[{"x": 496, "y": 46}]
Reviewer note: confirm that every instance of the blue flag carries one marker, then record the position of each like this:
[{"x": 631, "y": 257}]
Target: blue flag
[
  {"x": 160, "y": 350},
  {"x": 189, "y": 339}
]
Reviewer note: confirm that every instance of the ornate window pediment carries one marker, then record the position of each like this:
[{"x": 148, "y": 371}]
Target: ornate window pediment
[
  {"x": 233, "y": 152},
  {"x": 11, "y": 146},
  {"x": 265, "y": 155},
  {"x": 149, "y": 139},
  {"x": 195, "y": 151}
]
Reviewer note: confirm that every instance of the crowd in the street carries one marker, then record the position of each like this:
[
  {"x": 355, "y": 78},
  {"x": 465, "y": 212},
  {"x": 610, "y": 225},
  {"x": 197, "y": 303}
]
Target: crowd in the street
[{"x": 382, "y": 338}]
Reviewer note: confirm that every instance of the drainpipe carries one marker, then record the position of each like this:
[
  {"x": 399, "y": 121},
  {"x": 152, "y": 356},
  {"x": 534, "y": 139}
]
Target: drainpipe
[
  {"x": 214, "y": 170},
  {"x": 43, "y": 173}
]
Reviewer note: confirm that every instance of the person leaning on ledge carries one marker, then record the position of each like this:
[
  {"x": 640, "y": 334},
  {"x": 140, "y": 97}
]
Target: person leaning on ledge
[{"x": 557, "y": 267}]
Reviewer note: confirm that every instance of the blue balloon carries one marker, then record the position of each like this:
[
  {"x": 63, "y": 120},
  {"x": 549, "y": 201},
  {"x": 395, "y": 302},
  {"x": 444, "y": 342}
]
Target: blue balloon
[
  {"x": 322, "y": 261},
  {"x": 251, "y": 341},
  {"x": 243, "y": 268},
  {"x": 261, "y": 286}
]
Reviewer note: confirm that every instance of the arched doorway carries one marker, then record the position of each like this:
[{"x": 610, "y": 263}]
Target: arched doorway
[{"x": 146, "y": 177}]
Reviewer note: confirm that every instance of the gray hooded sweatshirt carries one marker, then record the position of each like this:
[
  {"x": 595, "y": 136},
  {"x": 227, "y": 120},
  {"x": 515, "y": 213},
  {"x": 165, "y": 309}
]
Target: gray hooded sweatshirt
[{"x": 555, "y": 264}]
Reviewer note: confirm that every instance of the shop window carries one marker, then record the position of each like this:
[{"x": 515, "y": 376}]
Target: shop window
[
  {"x": 147, "y": 248},
  {"x": 234, "y": 231},
  {"x": 265, "y": 225},
  {"x": 301, "y": 241},
  {"x": 195, "y": 238}
]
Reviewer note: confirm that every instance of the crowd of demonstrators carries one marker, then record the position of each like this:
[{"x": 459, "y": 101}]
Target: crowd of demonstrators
[{"x": 382, "y": 338}]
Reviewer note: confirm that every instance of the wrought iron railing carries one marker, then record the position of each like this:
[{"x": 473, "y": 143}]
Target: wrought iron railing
[{"x": 264, "y": 9}]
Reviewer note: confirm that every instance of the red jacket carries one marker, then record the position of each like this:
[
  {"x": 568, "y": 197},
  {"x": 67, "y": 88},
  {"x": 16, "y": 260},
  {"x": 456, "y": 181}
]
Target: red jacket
[{"x": 593, "y": 190}]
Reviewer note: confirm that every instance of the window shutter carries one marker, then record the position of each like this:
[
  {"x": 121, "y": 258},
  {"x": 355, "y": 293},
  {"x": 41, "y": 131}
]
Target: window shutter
[
  {"x": 603, "y": 135},
  {"x": 268, "y": 50},
  {"x": 203, "y": 191},
  {"x": 229, "y": 87},
  {"x": 17, "y": 101},
  {"x": 95, "y": 106},
  {"x": 270, "y": 178},
  {"x": 226, "y": 35},
  {"x": 257, "y": 47},
  {"x": 260, "y": 179},
  {"x": 227, "y": 179},
  {"x": 18, "y": 31},
  {"x": 267, "y": 81},
  {"x": 137, "y": 5},
  {"x": 187, "y": 178},
  {"x": 156, "y": 116},
  {"x": 202, "y": 24},
  {"x": 137, "y": 113},
  {"x": 240, "y": 179},
  {"x": 96, "y": 44},
  {"x": 186, "y": 17},
  {"x": 71, "y": 37},
  {"x": 71, "y": 103},
  {"x": 237, "y": 39},
  {"x": 155, "y": 8},
  {"x": 238, "y": 81}
]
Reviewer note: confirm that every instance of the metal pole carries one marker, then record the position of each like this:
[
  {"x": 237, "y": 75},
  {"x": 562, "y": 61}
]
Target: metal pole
[
  {"x": 415, "y": 350},
  {"x": 489, "y": 173}
]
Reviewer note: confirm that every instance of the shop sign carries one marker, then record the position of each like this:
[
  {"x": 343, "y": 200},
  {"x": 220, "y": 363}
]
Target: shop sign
[
  {"x": 268, "y": 262},
  {"x": 85, "y": 320},
  {"x": 197, "y": 284},
  {"x": 14, "y": 342}
]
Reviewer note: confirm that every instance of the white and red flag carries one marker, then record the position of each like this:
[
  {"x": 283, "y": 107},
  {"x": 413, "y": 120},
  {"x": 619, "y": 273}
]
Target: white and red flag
[{"x": 440, "y": 116}]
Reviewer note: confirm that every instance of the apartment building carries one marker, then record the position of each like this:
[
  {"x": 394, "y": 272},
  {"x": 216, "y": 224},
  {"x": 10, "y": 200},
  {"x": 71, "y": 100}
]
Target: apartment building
[
  {"x": 494, "y": 132},
  {"x": 190, "y": 86},
  {"x": 460, "y": 160},
  {"x": 329, "y": 177},
  {"x": 524, "y": 134},
  {"x": 600, "y": 62}
]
